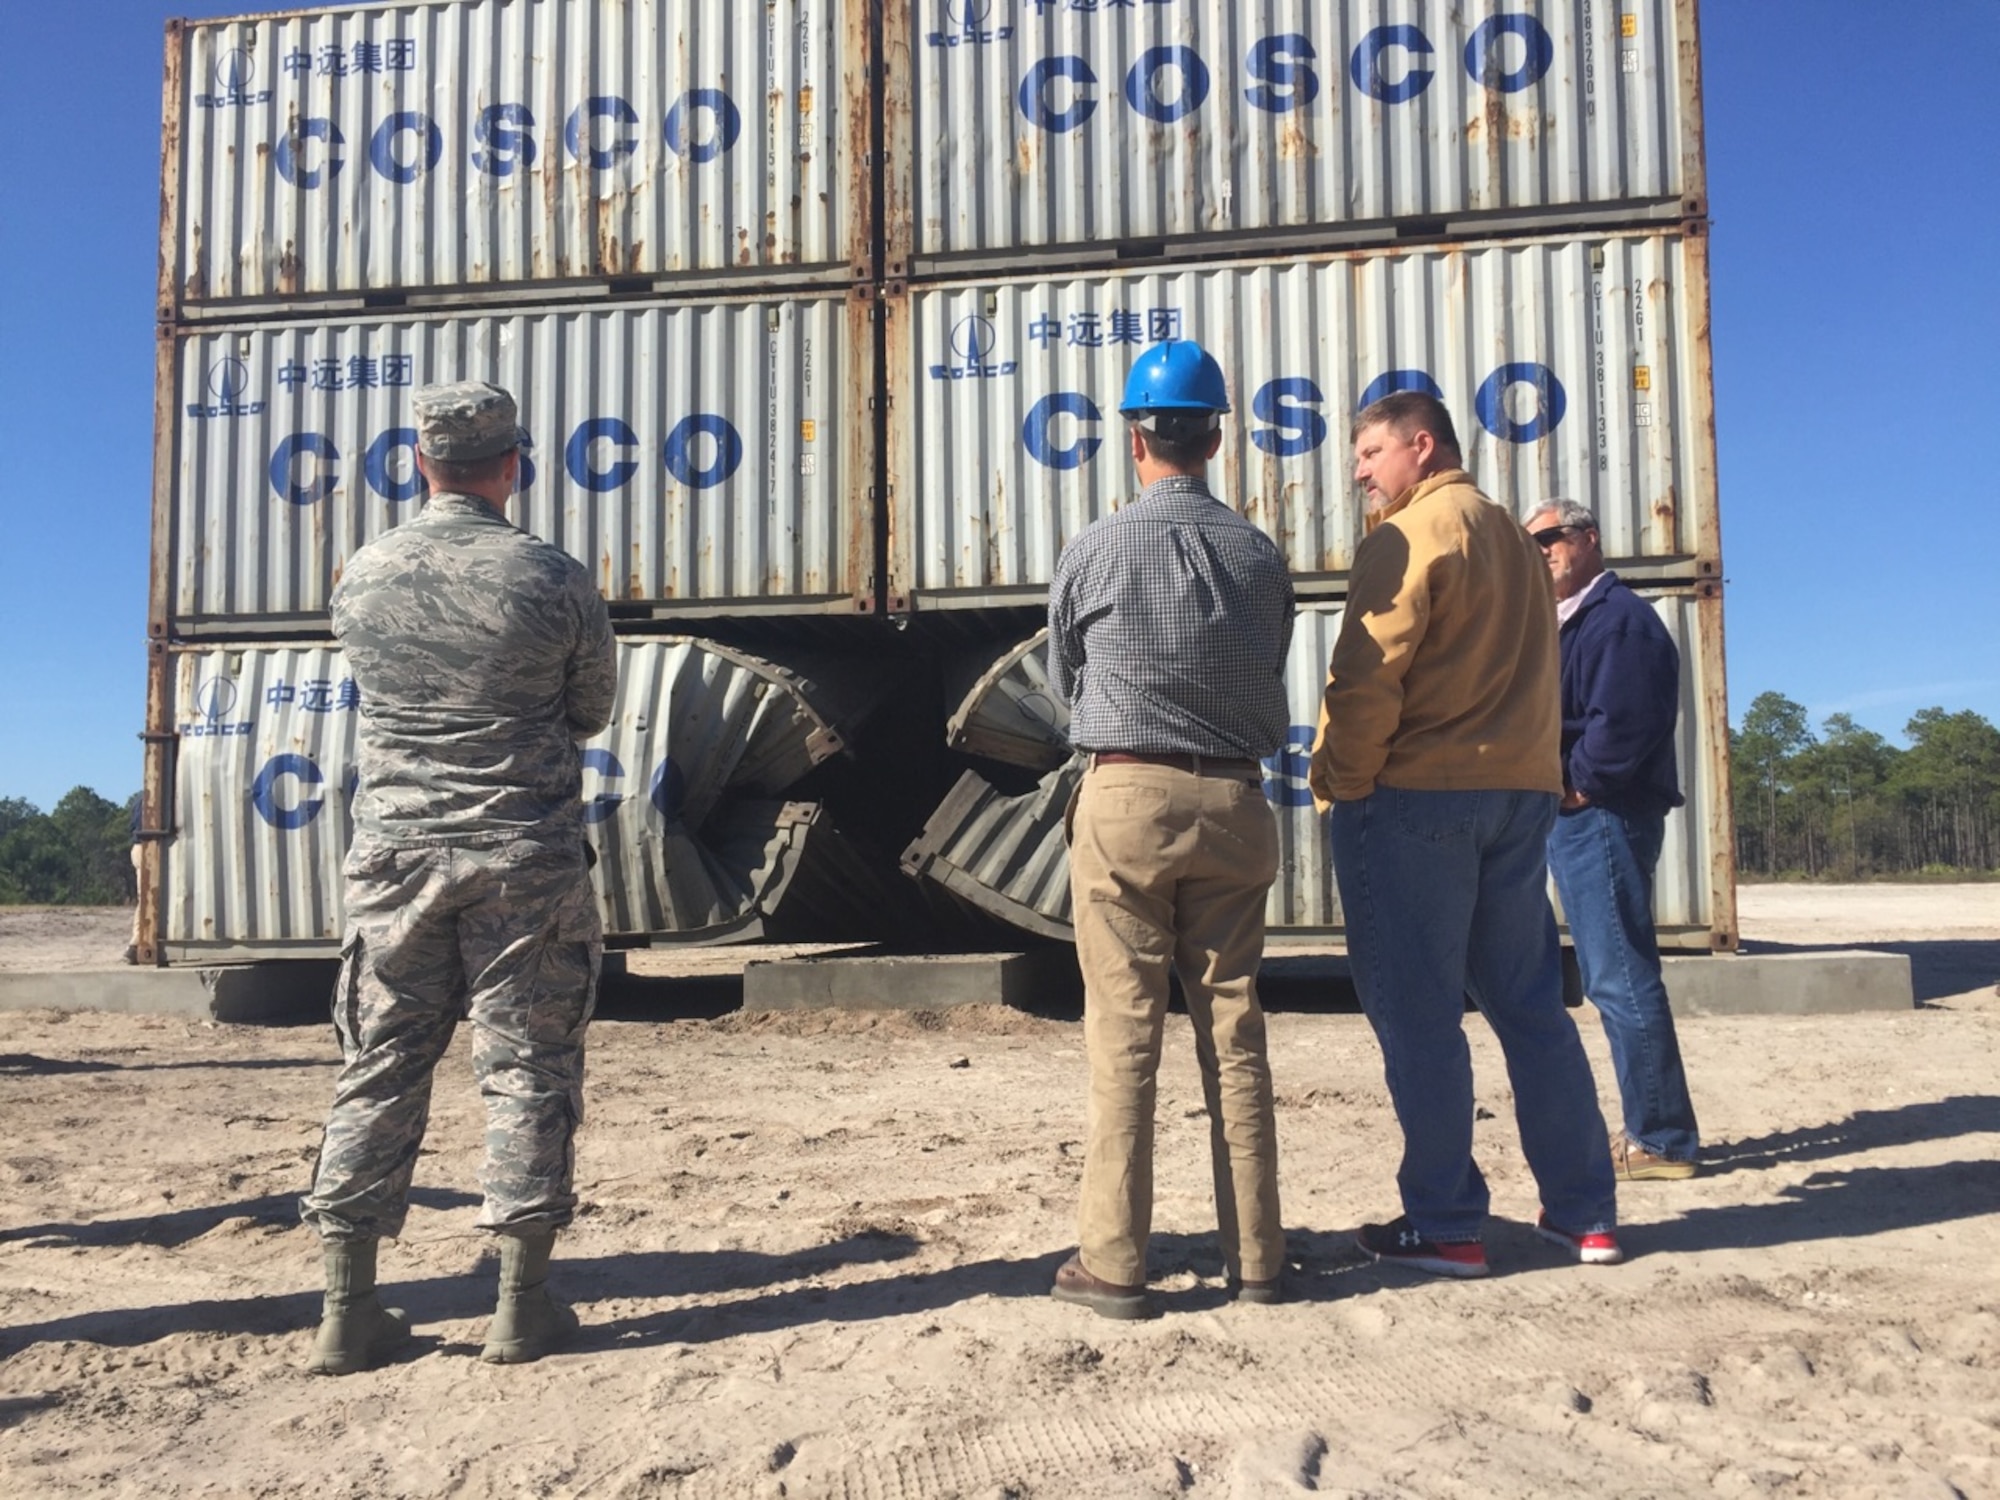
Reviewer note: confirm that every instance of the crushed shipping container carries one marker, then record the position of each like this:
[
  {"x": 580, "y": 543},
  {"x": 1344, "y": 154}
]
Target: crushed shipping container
[
  {"x": 684, "y": 794},
  {"x": 1004, "y": 851}
]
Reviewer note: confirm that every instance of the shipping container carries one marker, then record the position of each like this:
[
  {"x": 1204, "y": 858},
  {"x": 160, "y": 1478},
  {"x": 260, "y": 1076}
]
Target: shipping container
[
  {"x": 694, "y": 454},
  {"x": 496, "y": 149},
  {"x": 1573, "y": 368},
  {"x": 1005, "y": 852},
  {"x": 1079, "y": 132},
  {"x": 685, "y": 793}
]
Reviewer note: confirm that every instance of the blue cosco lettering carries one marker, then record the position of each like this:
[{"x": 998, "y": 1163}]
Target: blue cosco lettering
[
  {"x": 1036, "y": 433},
  {"x": 291, "y": 151},
  {"x": 382, "y": 146},
  {"x": 380, "y": 479},
  {"x": 576, "y": 457},
  {"x": 681, "y": 139},
  {"x": 285, "y": 461},
  {"x": 605, "y": 803},
  {"x": 502, "y": 129},
  {"x": 1038, "y": 87},
  {"x": 264, "y": 791},
  {"x": 1485, "y": 61},
  {"x": 600, "y": 107},
  {"x": 1287, "y": 405},
  {"x": 1142, "y": 83},
  {"x": 1371, "y": 67},
  {"x": 679, "y": 452},
  {"x": 1282, "y": 81},
  {"x": 1391, "y": 381},
  {"x": 1490, "y": 402}
]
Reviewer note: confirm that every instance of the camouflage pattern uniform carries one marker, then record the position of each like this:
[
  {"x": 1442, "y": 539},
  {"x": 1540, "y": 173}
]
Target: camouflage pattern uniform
[{"x": 483, "y": 655}]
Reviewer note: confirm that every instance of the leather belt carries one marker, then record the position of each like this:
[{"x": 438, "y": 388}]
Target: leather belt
[{"x": 1198, "y": 765}]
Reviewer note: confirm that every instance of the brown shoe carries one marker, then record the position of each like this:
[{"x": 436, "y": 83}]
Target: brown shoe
[
  {"x": 1631, "y": 1162},
  {"x": 1106, "y": 1299},
  {"x": 1263, "y": 1293}
]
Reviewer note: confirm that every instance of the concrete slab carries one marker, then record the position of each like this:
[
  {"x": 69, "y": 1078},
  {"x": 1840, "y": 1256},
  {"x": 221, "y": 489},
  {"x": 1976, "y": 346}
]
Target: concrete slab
[
  {"x": 1034, "y": 981},
  {"x": 292, "y": 990},
  {"x": 1787, "y": 984}
]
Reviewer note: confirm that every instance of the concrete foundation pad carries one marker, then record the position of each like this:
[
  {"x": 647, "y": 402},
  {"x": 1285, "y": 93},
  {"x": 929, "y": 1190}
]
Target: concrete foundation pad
[
  {"x": 290, "y": 990},
  {"x": 1034, "y": 980},
  {"x": 1786, "y": 984}
]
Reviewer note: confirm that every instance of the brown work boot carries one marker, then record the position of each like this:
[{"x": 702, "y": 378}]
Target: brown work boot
[
  {"x": 1106, "y": 1299},
  {"x": 1631, "y": 1162}
]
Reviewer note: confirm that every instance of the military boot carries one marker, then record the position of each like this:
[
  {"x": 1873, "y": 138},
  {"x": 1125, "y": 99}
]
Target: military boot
[
  {"x": 356, "y": 1332},
  {"x": 528, "y": 1322}
]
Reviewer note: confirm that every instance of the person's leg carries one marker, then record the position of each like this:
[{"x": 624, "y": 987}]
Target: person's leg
[
  {"x": 531, "y": 941},
  {"x": 1516, "y": 969},
  {"x": 1220, "y": 921},
  {"x": 1407, "y": 870},
  {"x": 1603, "y": 866},
  {"x": 1122, "y": 877},
  {"x": 396, "y": 1003}
]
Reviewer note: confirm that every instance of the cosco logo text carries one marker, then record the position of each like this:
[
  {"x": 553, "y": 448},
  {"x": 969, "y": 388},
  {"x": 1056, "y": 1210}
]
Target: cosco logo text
[
  {"x": 602, "y": 133},
  {"x": 701, "y": 451},
  {"x": 289, "y": 790},
  {"x": 1390, "y": 64},
  {"x": 1518, "y": 403}
]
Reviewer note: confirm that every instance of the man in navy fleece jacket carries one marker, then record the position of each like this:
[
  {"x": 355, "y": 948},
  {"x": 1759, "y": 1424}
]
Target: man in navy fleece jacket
[{"x": 1620, "y": 700}]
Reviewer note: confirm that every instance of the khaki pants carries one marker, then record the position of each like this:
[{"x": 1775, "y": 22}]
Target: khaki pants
[{"x": 1168, "y": 869}]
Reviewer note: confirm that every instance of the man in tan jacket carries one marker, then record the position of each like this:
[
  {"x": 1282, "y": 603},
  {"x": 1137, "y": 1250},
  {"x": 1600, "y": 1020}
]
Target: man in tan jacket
[{"x": 1438, "y": 753}]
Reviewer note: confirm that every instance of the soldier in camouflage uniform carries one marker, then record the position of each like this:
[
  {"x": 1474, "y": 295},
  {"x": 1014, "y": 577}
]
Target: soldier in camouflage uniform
[{"x": 483, "y": 655}]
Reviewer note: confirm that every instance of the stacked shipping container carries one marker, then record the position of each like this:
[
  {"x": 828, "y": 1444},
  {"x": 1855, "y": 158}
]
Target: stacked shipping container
[
  {"x": 818, "y": 314},
  {"x": 653, "y": 223}
]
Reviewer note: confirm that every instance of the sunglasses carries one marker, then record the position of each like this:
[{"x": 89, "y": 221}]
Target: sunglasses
[{"x": 1548, "y": 536}]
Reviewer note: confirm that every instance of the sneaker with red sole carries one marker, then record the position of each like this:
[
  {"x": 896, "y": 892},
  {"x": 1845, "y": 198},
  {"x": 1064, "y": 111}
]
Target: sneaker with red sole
[
  {"x": 1598, "y": 1248},
  {"x": 1400, "y": 1244}
]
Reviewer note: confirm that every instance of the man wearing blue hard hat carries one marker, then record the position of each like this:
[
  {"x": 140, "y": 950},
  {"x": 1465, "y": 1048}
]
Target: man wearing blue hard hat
[{"x": 1169, "y": 621}]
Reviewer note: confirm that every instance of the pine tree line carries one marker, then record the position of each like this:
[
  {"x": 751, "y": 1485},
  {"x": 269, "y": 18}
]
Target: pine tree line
[
  {"x": 1846, "y": 804},
  {"x": 77, "y": 855}
]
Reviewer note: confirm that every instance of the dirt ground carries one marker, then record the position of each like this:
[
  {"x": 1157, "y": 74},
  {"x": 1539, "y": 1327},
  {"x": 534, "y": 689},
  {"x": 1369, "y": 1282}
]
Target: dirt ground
[{"x": 814, "y": 1256}]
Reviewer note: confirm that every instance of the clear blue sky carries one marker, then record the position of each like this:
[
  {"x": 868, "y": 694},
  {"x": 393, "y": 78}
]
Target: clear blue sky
[{"x": 1854, "y": 174}]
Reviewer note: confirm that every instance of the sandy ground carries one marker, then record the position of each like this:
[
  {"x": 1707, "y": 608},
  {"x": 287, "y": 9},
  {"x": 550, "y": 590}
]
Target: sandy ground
[{"x": 814, "y": 1256}]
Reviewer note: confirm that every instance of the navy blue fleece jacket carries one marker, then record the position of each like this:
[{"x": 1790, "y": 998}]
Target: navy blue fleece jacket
[{"x": 1620, "y": 698}]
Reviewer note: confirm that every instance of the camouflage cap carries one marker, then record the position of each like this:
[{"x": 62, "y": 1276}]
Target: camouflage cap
[{"x": 465, "y": 421}]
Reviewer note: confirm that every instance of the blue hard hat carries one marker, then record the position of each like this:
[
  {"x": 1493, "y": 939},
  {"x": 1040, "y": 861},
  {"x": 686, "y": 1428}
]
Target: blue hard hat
[{"x": 1176, "y": 376}]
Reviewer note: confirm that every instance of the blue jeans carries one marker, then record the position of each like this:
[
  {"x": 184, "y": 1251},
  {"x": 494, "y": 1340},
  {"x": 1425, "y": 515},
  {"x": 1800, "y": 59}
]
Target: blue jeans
[
  {"x": 1446, "y": 894},
  {"x": 1603, "y": 863}
]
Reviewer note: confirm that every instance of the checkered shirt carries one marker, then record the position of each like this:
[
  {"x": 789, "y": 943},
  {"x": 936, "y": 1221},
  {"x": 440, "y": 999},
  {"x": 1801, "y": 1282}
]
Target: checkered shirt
[{"x": 1168, "y": 626}]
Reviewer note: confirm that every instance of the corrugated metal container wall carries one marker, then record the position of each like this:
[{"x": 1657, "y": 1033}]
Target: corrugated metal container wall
[
  {"x": 1068, "y": 126},
  {"x": 698, "y": 452},
  {"x": 1573, "y": 368},
  {"x": 468, "y": 148},
  {"x": 1009, "y": 709},
  {"x": 1693, "y": 889},
  {"x": 681, "y": 793}
]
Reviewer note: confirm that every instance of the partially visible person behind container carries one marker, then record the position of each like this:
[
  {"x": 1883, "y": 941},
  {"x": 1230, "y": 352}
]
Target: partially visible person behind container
[
  {"x": 1620, "y": 701},
  {"x": 1438, "y": 754},
  {"x": 482, "y": 656},
  {"x": 1168, "y": 626}
]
